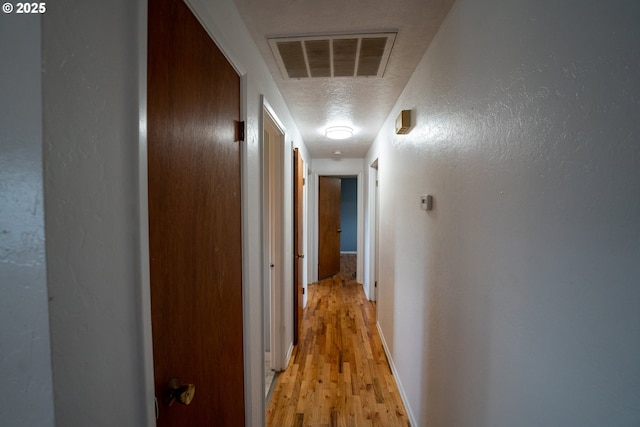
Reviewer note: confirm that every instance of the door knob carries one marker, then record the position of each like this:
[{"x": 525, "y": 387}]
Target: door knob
[
  {"x": 183, "y": 393},
  {"x": 339, "y": 230},
  {"x": 300, "y": 255}
]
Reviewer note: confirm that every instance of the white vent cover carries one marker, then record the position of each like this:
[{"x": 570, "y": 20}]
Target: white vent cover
[{"x": 350, "y": 55}]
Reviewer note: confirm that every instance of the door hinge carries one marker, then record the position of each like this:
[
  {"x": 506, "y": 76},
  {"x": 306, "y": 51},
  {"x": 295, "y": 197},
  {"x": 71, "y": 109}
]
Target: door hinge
[
  {"x": 376, "y": 182},
  {"x": 375, "y": 284},
  {"x": 303, "y": 181},
  {"x": 240, "y": 131},
  {"x": 303, "y": 291}
]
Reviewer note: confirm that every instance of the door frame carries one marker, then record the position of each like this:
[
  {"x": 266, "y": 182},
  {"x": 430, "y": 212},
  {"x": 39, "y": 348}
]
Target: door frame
[
  {"x": 143, "y": 222},
  {"x": 373, "y": 231},
  {"x": 273, "y": 179},
  {"x": 298, "y": 170},
  {"x": 331, "y": 167}
]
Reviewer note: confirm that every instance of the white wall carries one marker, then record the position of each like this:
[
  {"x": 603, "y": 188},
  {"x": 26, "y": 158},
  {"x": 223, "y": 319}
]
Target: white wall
[
  {"x": 26, "y": 397},
  {"x": 91, "y": 127},
  {"x": 515, "y": 301}
]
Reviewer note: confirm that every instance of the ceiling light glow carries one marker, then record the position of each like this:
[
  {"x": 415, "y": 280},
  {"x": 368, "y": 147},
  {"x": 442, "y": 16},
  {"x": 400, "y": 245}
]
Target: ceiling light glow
[{"x": 339, "y": 132}]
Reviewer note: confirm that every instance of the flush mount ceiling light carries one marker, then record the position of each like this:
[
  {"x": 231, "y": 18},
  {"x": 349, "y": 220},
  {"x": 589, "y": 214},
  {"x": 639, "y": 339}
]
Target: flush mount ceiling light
[{"x": 338, "y": 132}]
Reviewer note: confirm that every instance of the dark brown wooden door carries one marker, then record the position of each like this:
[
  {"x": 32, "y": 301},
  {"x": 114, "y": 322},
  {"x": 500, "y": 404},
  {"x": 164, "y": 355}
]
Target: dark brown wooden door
[
  {"x": 194, "y": 219},
  {"x": 298, "y": 173},
  {"x": 329, "y": 227}
]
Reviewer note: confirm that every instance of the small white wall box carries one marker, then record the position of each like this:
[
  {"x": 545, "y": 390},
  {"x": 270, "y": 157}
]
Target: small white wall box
[{"x": 403, "y": 122}]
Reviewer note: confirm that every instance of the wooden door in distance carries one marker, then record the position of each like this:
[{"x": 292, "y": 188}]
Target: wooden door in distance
[
  {"x": 298, "y": 173},
  {"x": 195, "y": 238},
  {"x": 329, "y": 227}
]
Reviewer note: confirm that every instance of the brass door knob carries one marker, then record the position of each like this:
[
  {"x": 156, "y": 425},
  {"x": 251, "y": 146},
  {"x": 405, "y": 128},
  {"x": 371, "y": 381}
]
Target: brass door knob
[
  {"x": 300, "y": 255},
  {"x": 182, "y": 393}
]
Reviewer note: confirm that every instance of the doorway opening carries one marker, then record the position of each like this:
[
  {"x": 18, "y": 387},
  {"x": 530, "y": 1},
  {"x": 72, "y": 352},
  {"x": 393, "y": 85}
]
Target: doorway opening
[
  {"x": 338, "y": 226},
  {"x": 329, "y": 169},
  {"x": 349, "y": 227}
]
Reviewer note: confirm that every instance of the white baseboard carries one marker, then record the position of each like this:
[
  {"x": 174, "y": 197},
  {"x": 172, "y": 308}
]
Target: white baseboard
[
  {"x": 289, "y": 352},
  {"x": 394, "y": 371}
]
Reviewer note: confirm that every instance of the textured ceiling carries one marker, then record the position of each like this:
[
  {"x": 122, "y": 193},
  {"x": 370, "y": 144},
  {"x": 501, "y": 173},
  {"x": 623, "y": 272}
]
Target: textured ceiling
[{"x": 362, "y": 103}]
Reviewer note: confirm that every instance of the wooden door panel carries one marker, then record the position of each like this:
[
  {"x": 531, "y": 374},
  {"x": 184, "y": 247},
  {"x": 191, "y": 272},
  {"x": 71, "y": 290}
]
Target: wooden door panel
[
  {"x": 194, "y": 219},
  {"x": 298, "y": 166},
  {"x": 329, "y": 227}
]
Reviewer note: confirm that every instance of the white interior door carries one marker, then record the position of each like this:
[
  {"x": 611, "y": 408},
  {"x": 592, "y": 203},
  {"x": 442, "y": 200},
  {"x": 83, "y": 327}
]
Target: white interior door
[{"x": 274, "y": 241}]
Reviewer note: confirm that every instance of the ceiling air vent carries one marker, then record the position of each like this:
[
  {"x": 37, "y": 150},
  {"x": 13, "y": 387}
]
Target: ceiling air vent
[{"x": 351, "y": 55}]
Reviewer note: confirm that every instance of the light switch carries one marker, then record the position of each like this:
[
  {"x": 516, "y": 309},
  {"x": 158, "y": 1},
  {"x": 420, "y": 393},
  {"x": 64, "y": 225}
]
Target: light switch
[{"x": 426, "y": 202}]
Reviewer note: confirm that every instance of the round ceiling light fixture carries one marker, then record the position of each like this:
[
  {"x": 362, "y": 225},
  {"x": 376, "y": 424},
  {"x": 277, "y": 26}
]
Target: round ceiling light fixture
[{"x": 338, "y": 132}]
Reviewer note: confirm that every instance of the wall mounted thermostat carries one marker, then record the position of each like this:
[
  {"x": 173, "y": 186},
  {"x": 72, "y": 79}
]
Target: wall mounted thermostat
[{"x": 426, "y": 202}]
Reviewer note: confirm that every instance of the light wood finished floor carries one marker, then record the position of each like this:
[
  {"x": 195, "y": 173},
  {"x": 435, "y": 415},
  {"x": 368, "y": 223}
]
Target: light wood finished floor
[{"x": 338, "y": 374}]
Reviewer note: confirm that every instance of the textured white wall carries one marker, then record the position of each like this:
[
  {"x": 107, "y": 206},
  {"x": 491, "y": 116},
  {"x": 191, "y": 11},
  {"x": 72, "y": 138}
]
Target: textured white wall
[
  {"x": 26, "y": 397},
  {"x": 90, "y": 124},
  {"x": 515, "y": 301}
]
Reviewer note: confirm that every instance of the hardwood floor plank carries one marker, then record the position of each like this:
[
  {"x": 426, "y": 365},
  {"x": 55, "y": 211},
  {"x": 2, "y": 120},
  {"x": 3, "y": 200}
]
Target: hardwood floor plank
[{"x": 338, "y": 374}]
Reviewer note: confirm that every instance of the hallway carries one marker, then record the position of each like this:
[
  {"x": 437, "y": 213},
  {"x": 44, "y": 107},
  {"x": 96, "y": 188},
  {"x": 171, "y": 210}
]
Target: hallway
[
  {"x": 513, "y": 301},
  {"x": 338, "y": 374}
]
